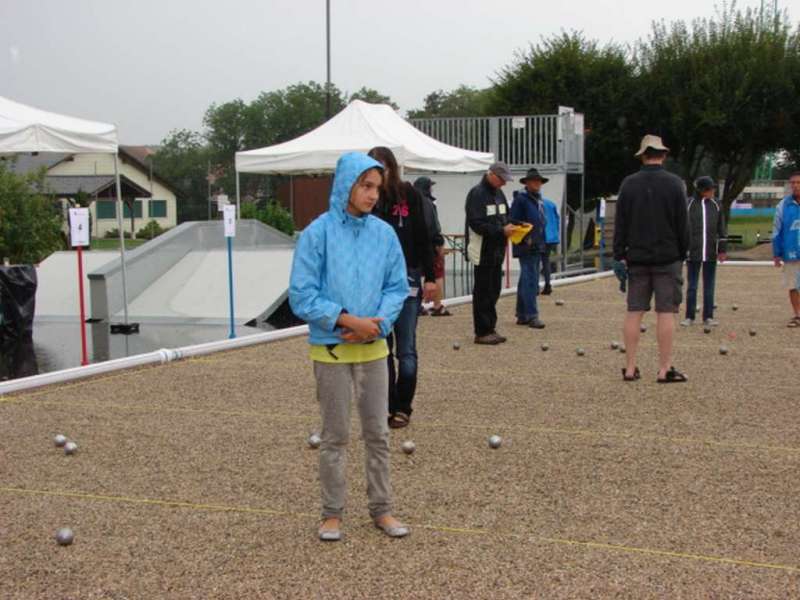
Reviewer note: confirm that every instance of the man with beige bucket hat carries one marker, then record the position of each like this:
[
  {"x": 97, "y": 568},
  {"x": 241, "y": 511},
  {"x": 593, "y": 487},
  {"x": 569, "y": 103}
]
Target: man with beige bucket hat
[{"x": 651, "y": 239}]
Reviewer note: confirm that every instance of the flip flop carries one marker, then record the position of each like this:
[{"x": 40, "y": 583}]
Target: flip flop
[
  {"x": 636, "y": 375},
  {"x": 673, "y": 376},
  {"x": 440, "y": 312},
  {"x": 399, "y": 420}
]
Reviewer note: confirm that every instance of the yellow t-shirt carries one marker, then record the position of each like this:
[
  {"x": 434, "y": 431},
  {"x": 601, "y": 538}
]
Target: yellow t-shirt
[{"x": 350, "y": 353}]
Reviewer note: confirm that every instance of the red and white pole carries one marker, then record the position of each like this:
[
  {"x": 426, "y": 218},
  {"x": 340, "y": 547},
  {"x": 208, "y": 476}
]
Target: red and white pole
[{"x": 84, "y": 356}]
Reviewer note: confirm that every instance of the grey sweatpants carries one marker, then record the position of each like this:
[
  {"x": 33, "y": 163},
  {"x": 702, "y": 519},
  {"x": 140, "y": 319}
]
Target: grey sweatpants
[{"x": 368, "y": 384}]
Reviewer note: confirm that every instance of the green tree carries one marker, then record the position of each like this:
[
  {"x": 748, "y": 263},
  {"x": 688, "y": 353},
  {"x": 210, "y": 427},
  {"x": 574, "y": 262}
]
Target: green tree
[
  {"x": 272, "y": 214},
  {"x": 30, "y": 224},
  {"x": 183, "y": 159},
  {"x": 464, "y": 101},
  {"x": 597, "y": 80},
  {"x": 373, "y": 97},
  {"x": 722, "y": 92}
]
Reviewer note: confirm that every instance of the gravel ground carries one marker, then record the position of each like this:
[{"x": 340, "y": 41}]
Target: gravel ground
[{"x": 193, "y": 480}]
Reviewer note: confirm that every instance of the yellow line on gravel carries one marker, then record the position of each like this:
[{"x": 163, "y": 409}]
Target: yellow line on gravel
[{"x": 443, "y": 529}]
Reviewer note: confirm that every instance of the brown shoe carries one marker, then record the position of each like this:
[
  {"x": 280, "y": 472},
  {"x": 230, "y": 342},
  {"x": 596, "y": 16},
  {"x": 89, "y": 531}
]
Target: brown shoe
[
  {"x": 500, "y": 338},
  {"x": 490, "y": 339}
]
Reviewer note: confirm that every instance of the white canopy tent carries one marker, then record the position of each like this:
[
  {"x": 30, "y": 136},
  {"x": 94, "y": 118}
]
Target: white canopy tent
[
  {"x": 27, "y": 129},
  {"x": 359, "y": 127}
]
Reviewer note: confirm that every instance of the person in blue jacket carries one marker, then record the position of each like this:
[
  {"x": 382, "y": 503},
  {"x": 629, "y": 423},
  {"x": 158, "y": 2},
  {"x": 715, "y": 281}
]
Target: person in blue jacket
[
  {"x": 552, "y": 236},
  {"x": 529, "y": 208},
  {"x": 348, "y": 282},
  {"x": 786, "y": 244}
]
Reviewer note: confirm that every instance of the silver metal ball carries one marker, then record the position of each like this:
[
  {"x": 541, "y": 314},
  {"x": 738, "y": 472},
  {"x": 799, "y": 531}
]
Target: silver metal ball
[
  {"x": 735, "y": 307},
  {"x": 59, "y": 440},
  {"x": 409, "y": 447},
  {"x": 706, "y": 329},
  {"x": 456, "y": 346},
  {"x": 545, "y": 347},
  {"x": 64, "y": 536},
  {"x": 580, "y": 352},
  {"x": 622, "y": 350},
  {"x": 559, "y": 303},
  {"x": 495, "y": 442},
  {"x": 314, "y": 441},
  {"x": 614, "y": 345},
  {"x": 723, "y": 350},
  {"x": 70, "y": 448},
  {"x": 752, "y": 332},
  {"x": 643, "y": 328}
]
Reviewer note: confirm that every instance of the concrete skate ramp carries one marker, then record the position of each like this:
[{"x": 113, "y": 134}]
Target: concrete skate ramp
[
  {"x": 182, "y": 276},
  {"x": 57, "y": 291}
]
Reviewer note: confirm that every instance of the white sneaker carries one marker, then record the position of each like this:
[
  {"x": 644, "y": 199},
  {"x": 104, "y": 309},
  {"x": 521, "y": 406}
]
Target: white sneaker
[
  {"x": 687, "y": 322},
  {"x": 711, "y": 322}
]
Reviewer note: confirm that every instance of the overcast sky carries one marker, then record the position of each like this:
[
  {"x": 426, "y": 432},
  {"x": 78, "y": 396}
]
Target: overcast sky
[{"x": 155, "y": 65}]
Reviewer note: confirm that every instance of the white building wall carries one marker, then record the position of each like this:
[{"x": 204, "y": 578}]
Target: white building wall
[{"x": 103, "y": 164}]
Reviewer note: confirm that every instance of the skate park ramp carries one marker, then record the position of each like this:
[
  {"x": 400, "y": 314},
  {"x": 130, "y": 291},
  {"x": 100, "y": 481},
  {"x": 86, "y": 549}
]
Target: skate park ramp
[{"x": 182, "y": 276}]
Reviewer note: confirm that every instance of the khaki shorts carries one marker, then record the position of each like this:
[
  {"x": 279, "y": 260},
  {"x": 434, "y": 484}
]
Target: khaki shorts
[
  {"x": 791, "y": 275},
  {"x": 663, "y": 281}
]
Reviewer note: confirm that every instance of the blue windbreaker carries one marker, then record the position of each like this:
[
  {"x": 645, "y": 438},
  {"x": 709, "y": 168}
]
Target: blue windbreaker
[
  {"x": 552, "y": 228},
  {"x": 786, "y": 230},
  {"x": 342, "y": 262}
]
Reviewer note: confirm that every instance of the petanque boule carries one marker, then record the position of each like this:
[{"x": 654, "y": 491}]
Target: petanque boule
[
  {"x": 59, "y": 440},
  {"x": 580, "y": 351},
  {"x": 545, "y": 347},
  {"x": 64, "y": 536},
  {"x": 70, "y": 448},
  {"x": 559, "y": 303},
  {"x": 314, "y": 441},
  {"x": 456, "y": 346},
  {"x": 706, "y": 329},
  {"x": 615, "y": 345},
  {"x": 723, "y": 350},
  {"x": 409, "y": 447},
  {"x": 622, "y": 349},
  {"x": 752, "y": 332},
  {"x": 495, "y": 442},
  {"x": 735, "y": 307},
  {"x": 643, "y": 328}
]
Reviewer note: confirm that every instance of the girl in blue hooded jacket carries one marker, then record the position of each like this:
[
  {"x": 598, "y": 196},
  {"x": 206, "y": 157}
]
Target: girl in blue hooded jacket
[{"x": 348, "y": 282}]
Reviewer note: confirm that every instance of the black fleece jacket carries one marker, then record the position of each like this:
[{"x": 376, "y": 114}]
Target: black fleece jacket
[
  {"x": 411, "y": 230},
  {"x": 651, "y": 225}
]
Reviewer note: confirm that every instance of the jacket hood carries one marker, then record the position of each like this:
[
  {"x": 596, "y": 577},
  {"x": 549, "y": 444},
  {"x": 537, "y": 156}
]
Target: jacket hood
[{"x": 349, "y": 168}]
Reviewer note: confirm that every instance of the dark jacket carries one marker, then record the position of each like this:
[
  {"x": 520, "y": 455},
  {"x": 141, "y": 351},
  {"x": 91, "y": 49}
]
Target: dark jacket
[
  {"x": 651, "y": 225},
  {"x": 487, "y": 214},
  {"x": 431, "y": 218},
  {"x": 410, "y": 229},
  {"x": 706, "y": 229},
  {"x": 529, "y": 208}
]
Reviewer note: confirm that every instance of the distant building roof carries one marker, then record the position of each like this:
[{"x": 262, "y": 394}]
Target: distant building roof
[
  {"x": 25, "y": 163},
  {"x": 70, "y": 185}
]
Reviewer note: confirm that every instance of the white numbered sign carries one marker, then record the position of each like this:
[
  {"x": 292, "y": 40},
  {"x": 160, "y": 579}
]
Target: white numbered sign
[
  {"x": 229, "y": 216},
  {"x": 79, "y": 226}
]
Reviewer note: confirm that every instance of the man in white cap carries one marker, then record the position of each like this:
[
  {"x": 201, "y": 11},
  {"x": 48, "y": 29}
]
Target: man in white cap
[
  {"x": 487, "y": 229},
  {"x": 651, "y": 239}
]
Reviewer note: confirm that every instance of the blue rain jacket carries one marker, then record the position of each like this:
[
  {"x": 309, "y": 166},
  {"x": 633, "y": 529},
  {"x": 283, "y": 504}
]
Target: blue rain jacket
[
  {"x": 342, "y": 262},
  {"x": 786, "y": 230},
  {"x": 552, "y": 229}
]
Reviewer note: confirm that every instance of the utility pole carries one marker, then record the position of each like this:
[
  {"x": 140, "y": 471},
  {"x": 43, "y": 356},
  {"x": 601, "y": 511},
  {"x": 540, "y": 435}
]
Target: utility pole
[{"x": 328, "y": 58}]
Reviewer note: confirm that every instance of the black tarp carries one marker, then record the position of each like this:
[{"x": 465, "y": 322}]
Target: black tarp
[{"x": 17, "y": 309}]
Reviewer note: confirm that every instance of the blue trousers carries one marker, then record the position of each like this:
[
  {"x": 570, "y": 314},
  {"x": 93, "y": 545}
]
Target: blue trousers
[
  {"x": 709, "y": 269},
  {"x": 403, "y": 346},
  {"x": 528, "y": 287}
]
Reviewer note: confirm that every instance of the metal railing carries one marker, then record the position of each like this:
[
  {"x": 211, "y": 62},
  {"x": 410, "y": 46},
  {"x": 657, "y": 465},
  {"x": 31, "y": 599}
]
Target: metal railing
[{"x": 524, "y": 141}]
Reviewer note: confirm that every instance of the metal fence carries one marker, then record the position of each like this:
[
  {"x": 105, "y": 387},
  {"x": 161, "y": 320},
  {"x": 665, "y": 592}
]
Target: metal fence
[{"x": 554, "y": 141}]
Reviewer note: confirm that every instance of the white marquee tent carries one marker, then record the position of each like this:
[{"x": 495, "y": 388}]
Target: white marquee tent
[
  {"x": 359, "y": 127},
  {"x": 27, "y": 129}
]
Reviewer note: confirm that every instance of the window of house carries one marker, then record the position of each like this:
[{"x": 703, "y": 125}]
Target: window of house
[
  {"x": 106, "y": 209},
  {"x": 137, "y": 210},
  {"x": 158, "y": 209}
]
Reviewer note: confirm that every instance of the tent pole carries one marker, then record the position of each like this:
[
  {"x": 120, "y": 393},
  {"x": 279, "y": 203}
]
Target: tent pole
[
  {"x": 238, "y": 198},
  {"x": 121, "y": 240},
  {"x": 291, "y": 196}
]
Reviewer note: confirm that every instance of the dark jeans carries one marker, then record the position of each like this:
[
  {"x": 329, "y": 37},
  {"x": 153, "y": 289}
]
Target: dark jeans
[
  {"x": 403, "y": 377},
  {"x": 528, "y": 287},
  {"x": 709, "y": 278},
  {"x": 485, "y": 292},
  {"x": 546, "y": 266}
]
